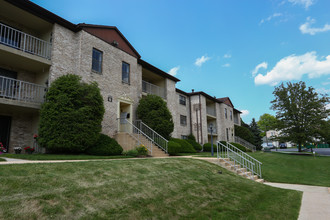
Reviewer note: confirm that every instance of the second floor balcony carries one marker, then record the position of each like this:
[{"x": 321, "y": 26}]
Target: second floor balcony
[
  {"x": 210, "y": 110},
  {"x": 150, "y": 88},
  {"x": 19, "y": 92},
  {"x": 19, "y": 40}
]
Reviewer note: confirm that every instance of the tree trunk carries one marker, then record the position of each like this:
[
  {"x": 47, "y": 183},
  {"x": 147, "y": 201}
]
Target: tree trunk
[{"x": 299, "y": 147}]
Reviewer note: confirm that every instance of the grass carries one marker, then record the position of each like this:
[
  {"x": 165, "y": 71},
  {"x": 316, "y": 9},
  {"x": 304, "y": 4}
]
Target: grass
[
  {"x": 138, "y": 189},
  {"x": 298, "y": 169},
  {"x": 60, "y": 156},
  {"x": 1, "y": 159}
]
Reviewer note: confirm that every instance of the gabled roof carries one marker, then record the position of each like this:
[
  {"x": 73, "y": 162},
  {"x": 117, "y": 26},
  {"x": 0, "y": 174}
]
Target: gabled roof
[
  {"x": 154, "y": 69},
  {"x": 111, "y": 35},
  {"x": 181, "y": 92},
  {"x": 227, "y": 101}
]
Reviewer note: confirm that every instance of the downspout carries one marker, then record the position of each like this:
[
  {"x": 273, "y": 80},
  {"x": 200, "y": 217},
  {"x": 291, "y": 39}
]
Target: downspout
[
  {"x": 200, "y": 115},
  {"x": 190, "y": 115}
]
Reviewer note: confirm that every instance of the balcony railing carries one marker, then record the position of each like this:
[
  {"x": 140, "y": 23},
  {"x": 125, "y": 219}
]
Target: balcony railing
[
  {"x": 210, "y": 111},
  {"x": 153, "y": 89},
  {"x": 25, "y": 42},
  {"x": 21, "y": 91}
]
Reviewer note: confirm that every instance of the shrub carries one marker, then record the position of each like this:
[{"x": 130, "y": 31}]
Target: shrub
[
  {"x": 241, "y": 147},
  {"x": 173, "y": 148},
  {"x": 142, "y": 150},
  {"x": 185, "y": 146},
  {"x": 191, "y": 137},
  {"x": 153, "y": 111},
  {"x": 70, "y": 119},
  {"x": 207, "y": 147},
  {"x": 105, "y": 146},
  {"x": 133, "y": 153},
  {"x": 196, "y": 145},
  {"x": 244, "y": 133}
]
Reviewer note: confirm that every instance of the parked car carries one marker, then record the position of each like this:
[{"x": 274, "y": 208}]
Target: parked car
[
  {"x": 283, "y": 145},
  {"x": 268, "y": 146}
]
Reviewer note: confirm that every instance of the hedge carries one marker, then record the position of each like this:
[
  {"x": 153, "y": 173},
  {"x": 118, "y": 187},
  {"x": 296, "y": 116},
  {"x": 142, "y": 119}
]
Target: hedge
[
  {"x": 105, "y": 146},
  {"x": 186, "y": 147}
]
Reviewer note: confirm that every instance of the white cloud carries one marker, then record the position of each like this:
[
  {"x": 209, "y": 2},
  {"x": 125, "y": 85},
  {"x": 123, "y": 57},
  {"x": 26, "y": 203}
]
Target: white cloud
[
  {"x": 226, "y": 65},
  {"x": 201, "y": 60},
  {"x": 307, "y": 29},
  {"x": 270, "y": 17},
  {"x": 227, "y": 56},
  {"x": 259, "y": 66},
  {"x": 294, "y": 67},
  {"x": 305, "y": 3},
  {"x": 174, "y": 70},
  {"x": 244, "y": 113}
]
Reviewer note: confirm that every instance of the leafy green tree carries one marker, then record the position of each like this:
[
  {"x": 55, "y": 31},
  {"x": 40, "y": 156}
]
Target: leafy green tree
[
  {"x": 153, "y": 111},
  {"x": 71, "y": 117},
  {"x": 244, "y": 133},
  {"x": 267, "y": 122},
  {"x": 256, "y": 134},
  {"x": 300, "y": 111}
]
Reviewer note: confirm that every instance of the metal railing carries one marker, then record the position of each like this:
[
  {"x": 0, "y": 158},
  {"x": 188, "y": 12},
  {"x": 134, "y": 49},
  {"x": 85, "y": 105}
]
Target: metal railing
[
  {"x": 157, "y": 139},
  {"x": 135, "y": 133},
  {"x": 23, "y": 91},
  {"x": 239, "y": 158},
  {"x": 25, "y": 42},
  {"x": 153, "y": 89},
  {"x": 245, "y": 143},
  {"x": 210, "y": 111}
]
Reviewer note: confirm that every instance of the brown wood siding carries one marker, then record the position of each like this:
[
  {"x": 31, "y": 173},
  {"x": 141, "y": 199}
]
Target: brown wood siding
[{"x": 110, "y": 35}]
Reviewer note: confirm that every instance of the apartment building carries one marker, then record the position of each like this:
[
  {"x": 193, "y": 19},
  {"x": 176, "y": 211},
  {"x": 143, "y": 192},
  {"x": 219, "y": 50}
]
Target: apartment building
[
  {"x": 38, "y": 46},
  {"x": 201, "y": 114}
]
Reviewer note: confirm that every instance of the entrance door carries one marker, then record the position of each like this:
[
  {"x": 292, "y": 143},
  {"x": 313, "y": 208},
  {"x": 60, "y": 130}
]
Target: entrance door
[
  {"x": 125, "y": 116},
  {"x": 5, "y": 123}
]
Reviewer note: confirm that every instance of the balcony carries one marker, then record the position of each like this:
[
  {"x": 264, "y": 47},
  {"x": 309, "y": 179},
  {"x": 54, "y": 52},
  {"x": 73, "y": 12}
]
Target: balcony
[
  {"x": 24, "y": 42},
  {"x": 153, "y": 89},
  {"x": 18, "y": 92},
  {"x": 210, "y": 111}
]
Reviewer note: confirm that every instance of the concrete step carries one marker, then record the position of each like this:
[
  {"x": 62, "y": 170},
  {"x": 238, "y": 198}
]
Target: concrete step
[
  {"x": 241, "y": 170},
  {"x": 260, "y": 180}
]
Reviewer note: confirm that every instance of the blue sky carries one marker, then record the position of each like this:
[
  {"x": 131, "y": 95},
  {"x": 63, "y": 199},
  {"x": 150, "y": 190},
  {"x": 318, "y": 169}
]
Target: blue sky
[{"x": 235, "y": 48}]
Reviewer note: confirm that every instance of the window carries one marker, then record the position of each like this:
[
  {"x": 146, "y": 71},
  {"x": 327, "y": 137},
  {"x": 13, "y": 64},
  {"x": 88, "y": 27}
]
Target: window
[
  {"x": 184, "y": 137},
  {"x": 97, "y": 61},
  {"x": 182, "y": 100},
  {"x": 231, "y": 115},
  {"x": 183, "y": 120},
  {"x": 125, "y": 73},
  {"x": 225, "y": 113},
  {"x": 227, "y": 133}
]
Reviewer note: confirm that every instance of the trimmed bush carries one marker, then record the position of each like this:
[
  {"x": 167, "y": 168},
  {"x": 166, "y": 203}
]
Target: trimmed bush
[
  {"x": 196, "y": 145},
  {"x": 105, "y": 146},
  {"x": 207, "y": 147},
  {"x": 133, "y": 153},
  {"x": 173, "y": 148},
  {"x": 241, "y": 147},
  {"x": 70, "y": 119},
  {"x": 153, "y": 111},
  {"x": 186, "y": 147}
]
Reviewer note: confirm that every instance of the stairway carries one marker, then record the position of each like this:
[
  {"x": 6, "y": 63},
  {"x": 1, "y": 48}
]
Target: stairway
[
  {"x": 231, "y": 166},
  {"x": 233, "y": 159},
  {"x": 131, "y": 141}
]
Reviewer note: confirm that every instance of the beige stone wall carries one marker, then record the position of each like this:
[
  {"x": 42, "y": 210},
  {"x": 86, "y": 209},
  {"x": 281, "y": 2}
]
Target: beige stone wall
[
  {"x": 72, "y": 53},
  {"x": 179, "y": 129},
  {"x": 226, "y": 123}
]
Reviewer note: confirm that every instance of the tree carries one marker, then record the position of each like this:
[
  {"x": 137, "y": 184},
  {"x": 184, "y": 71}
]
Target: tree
[
  {"x": 267, "y": 122},
  {"x": 153, "y": 111},
  {"x": 244, "y": 133},
  {"x": 256, "y": 134},
  {"x": 300, "y": 111},
  {"x": 70, "y": 119}
]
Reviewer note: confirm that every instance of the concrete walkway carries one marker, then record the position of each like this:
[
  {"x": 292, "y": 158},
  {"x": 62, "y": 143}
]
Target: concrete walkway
[{"x": 315, "y": 201}]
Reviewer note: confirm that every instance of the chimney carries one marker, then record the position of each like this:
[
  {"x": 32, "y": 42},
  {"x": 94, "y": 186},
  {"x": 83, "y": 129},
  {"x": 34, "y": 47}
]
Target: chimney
[{"x": 192, "y": 90}]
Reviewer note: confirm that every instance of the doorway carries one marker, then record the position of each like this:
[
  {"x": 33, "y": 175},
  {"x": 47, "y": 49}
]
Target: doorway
[
  {"x": 125, "y": 117},
  {"x": 5, "y": 123}
]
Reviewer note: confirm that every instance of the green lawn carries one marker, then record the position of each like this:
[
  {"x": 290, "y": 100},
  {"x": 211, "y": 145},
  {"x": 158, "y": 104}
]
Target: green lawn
[
  {"x": 299, "y": 169},
  {"x": 59, "y": 156},
  {"x": 138, "y": 189}
]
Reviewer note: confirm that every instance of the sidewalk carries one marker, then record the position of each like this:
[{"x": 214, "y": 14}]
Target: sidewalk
[{"x": 315, "y": 202}]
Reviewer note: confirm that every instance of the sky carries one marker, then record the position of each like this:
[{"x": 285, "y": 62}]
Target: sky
[{"x": 240, "y": 49}]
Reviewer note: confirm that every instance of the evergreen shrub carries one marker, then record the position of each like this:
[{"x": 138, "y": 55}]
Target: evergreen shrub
[
  {"x": 185, "y": 146},
  {"x": 105, "y": 146}
]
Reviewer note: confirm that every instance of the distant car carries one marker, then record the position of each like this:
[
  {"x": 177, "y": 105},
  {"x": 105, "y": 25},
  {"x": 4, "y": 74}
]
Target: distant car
[
  {"x": 268, "y": 146},
  {"x": 283, "y": 145}
]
